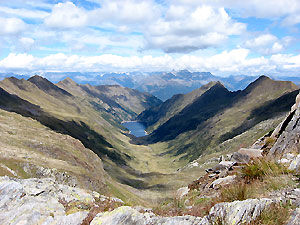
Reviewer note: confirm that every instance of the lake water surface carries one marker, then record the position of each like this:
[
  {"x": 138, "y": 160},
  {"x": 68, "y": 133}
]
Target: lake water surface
[{"x": 137, "y": 129}]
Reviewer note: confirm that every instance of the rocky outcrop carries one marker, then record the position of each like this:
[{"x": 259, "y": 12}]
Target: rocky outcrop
[
  {"x": 238, "y": 212},
  {"x": 43, "y": 201},
  {"x": 288, "y": 133},
  {"x": 295, "y": 164},
  {"x": 295, "y": 218},
  {"x": 287, "y": 136},
  {"x": 126, "y": 215}
]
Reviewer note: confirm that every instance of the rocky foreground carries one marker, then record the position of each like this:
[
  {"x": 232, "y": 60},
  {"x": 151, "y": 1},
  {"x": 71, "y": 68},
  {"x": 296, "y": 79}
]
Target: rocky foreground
[{"x": 43, "y": 201}]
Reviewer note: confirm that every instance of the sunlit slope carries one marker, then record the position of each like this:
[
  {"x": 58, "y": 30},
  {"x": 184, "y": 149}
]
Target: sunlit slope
[{"x": 123, "y": 103}]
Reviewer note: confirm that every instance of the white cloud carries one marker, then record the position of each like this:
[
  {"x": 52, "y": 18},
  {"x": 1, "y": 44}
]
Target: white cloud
[
  {"x": 267, "y": 44},
  {"x": 201, "y": 27},
  {"x": 18, "y": 61},
  {"x": 291, "y": 20},
  {"x": 125, "y": 12},
  {"x": 66, "y": 15},
  {"x": 10, "y": 26},
  {"x": 266, "y": 8},
  {"x": 236, "y": 61},
  {"x": 251, "y": 8},
  {"x": 24, "y": 13},
  {"x": 26, "y": 43},
  {"x": 287, "y": 61}
]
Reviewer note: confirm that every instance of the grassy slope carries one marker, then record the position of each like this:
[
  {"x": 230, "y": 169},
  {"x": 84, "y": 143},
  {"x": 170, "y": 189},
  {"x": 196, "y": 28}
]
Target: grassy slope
[
  {"x": 73, "y": 115},
  {"x": 123, "y": 103},
  {"x": 23, "y": 151},
  {"x": 148, "y": 168}
]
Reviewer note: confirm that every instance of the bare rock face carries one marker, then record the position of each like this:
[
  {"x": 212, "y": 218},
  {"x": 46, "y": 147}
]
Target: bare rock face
[
  {"x": 39, "y": 201},
  {"x": 295, "y": 218},
  {"x": 295, "y": 164},
  {"x": 238, "y": 212},
  {"x": 126, "y": 215},
  {"x": 288, "y": 133}
]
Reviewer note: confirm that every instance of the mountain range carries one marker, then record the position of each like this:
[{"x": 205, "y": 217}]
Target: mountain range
[
  {"x": 163, "y": 85},
  {"x": 73, "y": 132},
  {"x": 206, "y": 118}
]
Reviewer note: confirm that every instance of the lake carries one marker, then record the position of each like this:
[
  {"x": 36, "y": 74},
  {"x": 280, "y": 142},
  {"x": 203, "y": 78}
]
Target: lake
[{"x": 137, "y": 129}]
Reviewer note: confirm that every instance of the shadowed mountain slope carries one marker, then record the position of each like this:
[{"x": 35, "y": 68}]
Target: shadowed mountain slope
[
  {"x": 163, "y": 112},
  {"x": 218, "y": 115},
  {"x": 89, "y": 118}
]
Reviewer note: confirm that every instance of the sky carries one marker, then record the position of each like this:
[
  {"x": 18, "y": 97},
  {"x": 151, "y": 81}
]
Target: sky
[{"x": 225, "y": 37}]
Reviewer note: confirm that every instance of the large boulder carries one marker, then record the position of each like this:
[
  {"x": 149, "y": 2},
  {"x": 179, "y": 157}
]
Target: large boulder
[
  {"x": 41, "y": 201},
  {"x": 240, "y": 158},
  {"x": 126, "y": 215},
  {"x": 237, "y": 212},
  {"x": 288, "y": 133}
]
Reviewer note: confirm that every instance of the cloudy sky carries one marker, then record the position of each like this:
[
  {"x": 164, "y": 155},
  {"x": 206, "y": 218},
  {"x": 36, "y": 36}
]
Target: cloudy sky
[{"x": 224, "y": 37}]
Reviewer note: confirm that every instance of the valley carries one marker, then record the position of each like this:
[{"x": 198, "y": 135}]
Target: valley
[
  {"x": 75, "y": 134},
  {"x": 149, "y": 112}
]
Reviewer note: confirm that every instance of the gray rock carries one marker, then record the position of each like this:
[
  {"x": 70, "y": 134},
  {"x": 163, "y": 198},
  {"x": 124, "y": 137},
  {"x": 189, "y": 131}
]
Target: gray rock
[
  {"x": 295, "y": 164},
  {"x": 295, "y": 218},
  {"x": 216, "y": 184},
  {"x": 252, "y": 153},
  {"x": 238, "y": 212},
  {"x": 37, "y": 201},
  {"x": 240, "y": 158},
  {"x": 224, "y": 165},
  {"x": 290, "y": 195},
  {"x": 288, "y": 133},
  {"x": 126, "y": 215},
  {"x": 182, "y": 192}
]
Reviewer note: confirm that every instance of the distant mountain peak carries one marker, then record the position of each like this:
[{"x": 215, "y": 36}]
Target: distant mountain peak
[
  {"x": 45, "y": 85},
  {"x": 68, "y": 81},
  {"x": 37, "y": 78},
  {"x": 263, "y": 78}
]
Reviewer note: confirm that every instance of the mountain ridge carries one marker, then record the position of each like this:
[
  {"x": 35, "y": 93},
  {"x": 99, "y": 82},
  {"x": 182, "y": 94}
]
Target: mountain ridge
[{"x": 222, "y": 117}]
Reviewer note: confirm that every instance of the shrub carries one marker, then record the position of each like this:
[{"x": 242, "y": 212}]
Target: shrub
[
  {"x": 252, "y": 171},
  {"x": 260, "y": 168},
  {"x": 171, "y": 207},
  {"x": 269, "y": 142},
  {"x": 239, "y": 191}
]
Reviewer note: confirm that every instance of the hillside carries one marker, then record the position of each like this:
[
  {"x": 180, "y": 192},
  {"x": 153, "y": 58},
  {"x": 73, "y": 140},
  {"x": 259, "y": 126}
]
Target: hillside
[
  {"x": 123, "y": 103},
  {"x": 218, "y": 115},
  {"x": 90, "y": 117},
  {"x": 245, "y": 187},
  {"x": 163, "y": 112},
  {"x": 23, "y": 154}
]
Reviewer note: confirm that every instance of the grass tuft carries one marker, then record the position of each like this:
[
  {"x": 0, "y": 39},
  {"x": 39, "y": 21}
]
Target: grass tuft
[
  {"x": 239, "y": 191},
  {"x": 276, "y": 214},
  {"x": 260, "y": 168}
]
